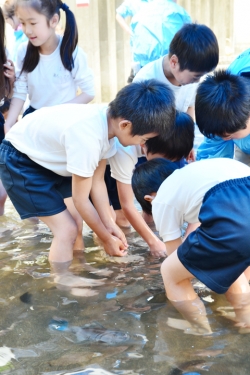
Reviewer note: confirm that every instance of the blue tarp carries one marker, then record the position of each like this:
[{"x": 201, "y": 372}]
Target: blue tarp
[{"x": 241, "y": 64}]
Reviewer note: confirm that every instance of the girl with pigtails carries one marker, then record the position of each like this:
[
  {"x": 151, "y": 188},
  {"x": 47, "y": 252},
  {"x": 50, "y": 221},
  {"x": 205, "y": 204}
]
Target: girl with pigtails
[{"x": 50, "y": 68}]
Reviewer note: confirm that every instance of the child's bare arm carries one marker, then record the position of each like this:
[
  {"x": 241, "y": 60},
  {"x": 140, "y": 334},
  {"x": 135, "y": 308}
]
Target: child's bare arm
[
  {"x": 191, "y": 228},
  {"x": 191, "y": 112},
  {"x": 100, "y": 199},
  {"x": 82, "y": 98},
  {"x": 123, "y": 24},
  {"x": 81, "y": 187},
  {"x": 126, "y": 197},
  {"x": 16, "y": 106}
]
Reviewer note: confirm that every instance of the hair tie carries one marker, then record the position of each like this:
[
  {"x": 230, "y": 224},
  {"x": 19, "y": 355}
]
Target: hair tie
[{"x": 64, "y": 7}]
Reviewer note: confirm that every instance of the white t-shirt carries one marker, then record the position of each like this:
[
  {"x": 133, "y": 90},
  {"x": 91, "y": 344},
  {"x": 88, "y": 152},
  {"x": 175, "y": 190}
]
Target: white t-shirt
[
  {"x": 50, "y": 83},
  {"x": 66, "y": 139},
  {"x": 180, "y": 196},
  {"x": 184, "y": 95},
  {"x": 123, "y": 162}
]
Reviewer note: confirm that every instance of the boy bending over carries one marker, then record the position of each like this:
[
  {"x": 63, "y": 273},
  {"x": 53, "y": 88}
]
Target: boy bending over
[
  {"x": 177, "y": 147},
  {"x": 225, "y": 99},
  {"x": 212, "y": 192},
  {"x": 193, "y": 52},
  {"x": 59, "y": 153}
]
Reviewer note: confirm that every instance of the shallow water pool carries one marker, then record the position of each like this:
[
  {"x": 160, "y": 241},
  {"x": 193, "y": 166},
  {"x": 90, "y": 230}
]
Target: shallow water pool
[{"x": 110, "y": 316}]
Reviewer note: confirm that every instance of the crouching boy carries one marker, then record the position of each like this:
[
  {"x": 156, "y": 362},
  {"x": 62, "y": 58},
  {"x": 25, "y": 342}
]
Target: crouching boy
[
  {"x": 60, "y": 152},
  {"x": 177, "y": 147},
  {"x": 214, "y": 194}
]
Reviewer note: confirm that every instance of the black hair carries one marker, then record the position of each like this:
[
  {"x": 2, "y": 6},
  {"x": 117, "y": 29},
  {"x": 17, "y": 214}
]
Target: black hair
[
  {"x": 5, "y": 86},
  {"x": 70, "y": 37},
  {"x": 148, "y": 177},
  {"x": 5, "y": 106},
  {"x": 222, "y": 104},
  {"x": 196, "y": 47},
  {"x": 179, "y": 144},
  {"x": 149, "y": 105}
]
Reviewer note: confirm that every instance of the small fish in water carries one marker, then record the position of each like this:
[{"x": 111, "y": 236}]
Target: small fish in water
[{"x": 95, "y": 332}]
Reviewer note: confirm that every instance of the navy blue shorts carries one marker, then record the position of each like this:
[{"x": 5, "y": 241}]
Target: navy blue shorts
[
  {"x": 112, "y": 189},
  {"x": 218, "y": 252},
  {"x": 33, "y": 189}
]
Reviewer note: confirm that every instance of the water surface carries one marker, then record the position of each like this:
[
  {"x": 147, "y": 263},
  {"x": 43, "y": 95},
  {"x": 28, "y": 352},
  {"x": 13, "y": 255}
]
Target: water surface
[{"x": 130, "y": 298}]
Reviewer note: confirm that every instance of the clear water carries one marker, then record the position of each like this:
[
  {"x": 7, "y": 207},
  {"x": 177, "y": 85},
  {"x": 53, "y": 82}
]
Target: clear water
[{"x": 130, "y": 299}]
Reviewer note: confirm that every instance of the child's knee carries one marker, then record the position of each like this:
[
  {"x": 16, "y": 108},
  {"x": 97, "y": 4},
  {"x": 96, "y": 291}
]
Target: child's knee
[{"x": 70, "y": 232}]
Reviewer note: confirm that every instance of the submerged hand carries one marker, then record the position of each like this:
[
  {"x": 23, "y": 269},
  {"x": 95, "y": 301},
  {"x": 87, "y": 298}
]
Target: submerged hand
[
  {"x": 117, "y": 232},
  {"x": 115, "y": 247},
  {"x": 158, "y": 249}
]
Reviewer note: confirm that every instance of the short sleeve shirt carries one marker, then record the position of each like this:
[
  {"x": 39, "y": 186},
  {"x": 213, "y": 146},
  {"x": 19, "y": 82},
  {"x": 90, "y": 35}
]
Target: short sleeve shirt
[
  {"x": 180, "y": 196},
  {"x": 67, "y": 139}
]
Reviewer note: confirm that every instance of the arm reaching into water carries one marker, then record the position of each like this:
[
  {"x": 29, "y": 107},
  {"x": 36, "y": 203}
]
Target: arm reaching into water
[{"x": 126, "y": 197}]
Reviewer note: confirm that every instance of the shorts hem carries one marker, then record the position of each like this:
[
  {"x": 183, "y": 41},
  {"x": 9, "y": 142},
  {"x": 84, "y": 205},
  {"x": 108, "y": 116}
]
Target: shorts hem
[
  {"x": 51, "y": 213},
  {"x": 201, "y": 276}
]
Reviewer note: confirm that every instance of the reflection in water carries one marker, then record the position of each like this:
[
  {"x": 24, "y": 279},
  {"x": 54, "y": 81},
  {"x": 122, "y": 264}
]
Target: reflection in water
[{"x": 119, "y": 299}]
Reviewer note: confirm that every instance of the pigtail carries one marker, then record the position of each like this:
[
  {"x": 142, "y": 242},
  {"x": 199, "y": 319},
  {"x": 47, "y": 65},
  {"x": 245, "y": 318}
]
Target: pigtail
[
  {"x": 31, "y": 59},
  {"x": 5, "y": 87},
  {"x": 70, "y": 38}
]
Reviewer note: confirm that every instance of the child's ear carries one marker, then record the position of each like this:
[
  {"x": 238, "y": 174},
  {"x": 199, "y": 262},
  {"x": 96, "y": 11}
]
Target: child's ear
[
  {"x": 54, "y": 21},
  {"x": 125, "y": 124},
  {"x": 149, "y": 198},
  {"x": 173, "y": 61}
]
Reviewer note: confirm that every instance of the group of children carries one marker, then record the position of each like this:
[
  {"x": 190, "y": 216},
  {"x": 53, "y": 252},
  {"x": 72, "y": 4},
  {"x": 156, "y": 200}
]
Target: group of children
[{"x": 53, "y": 161}]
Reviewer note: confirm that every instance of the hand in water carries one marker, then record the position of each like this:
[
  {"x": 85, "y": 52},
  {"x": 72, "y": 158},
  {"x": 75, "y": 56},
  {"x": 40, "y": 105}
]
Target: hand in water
[
  {"x": 115, "y": 247},
  {"x": 158, "y": 250},
  {"x": 117, "y": 232}
]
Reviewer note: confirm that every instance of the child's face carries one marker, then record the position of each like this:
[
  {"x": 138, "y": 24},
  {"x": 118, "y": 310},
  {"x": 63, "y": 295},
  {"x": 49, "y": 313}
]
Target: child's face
[
  {"x": 35, "y": 25},
  {"x": 127, "y": 139},
  {"x": 239, "y": 134},
  {"x": 185, "y": 77}
]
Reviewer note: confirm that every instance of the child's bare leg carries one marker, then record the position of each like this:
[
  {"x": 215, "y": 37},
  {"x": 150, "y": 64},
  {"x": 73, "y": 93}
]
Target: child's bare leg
[
  {"x": 180, "y": 292},
  {"x": 239, "y": 297},
  {"x": 79, "y": 243},
  {"x": 247, "y": 273},
  {"x": 3, "y": 197},
  {"x": 121, "y": 219},
  {"x": 65, "y": 232}
]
